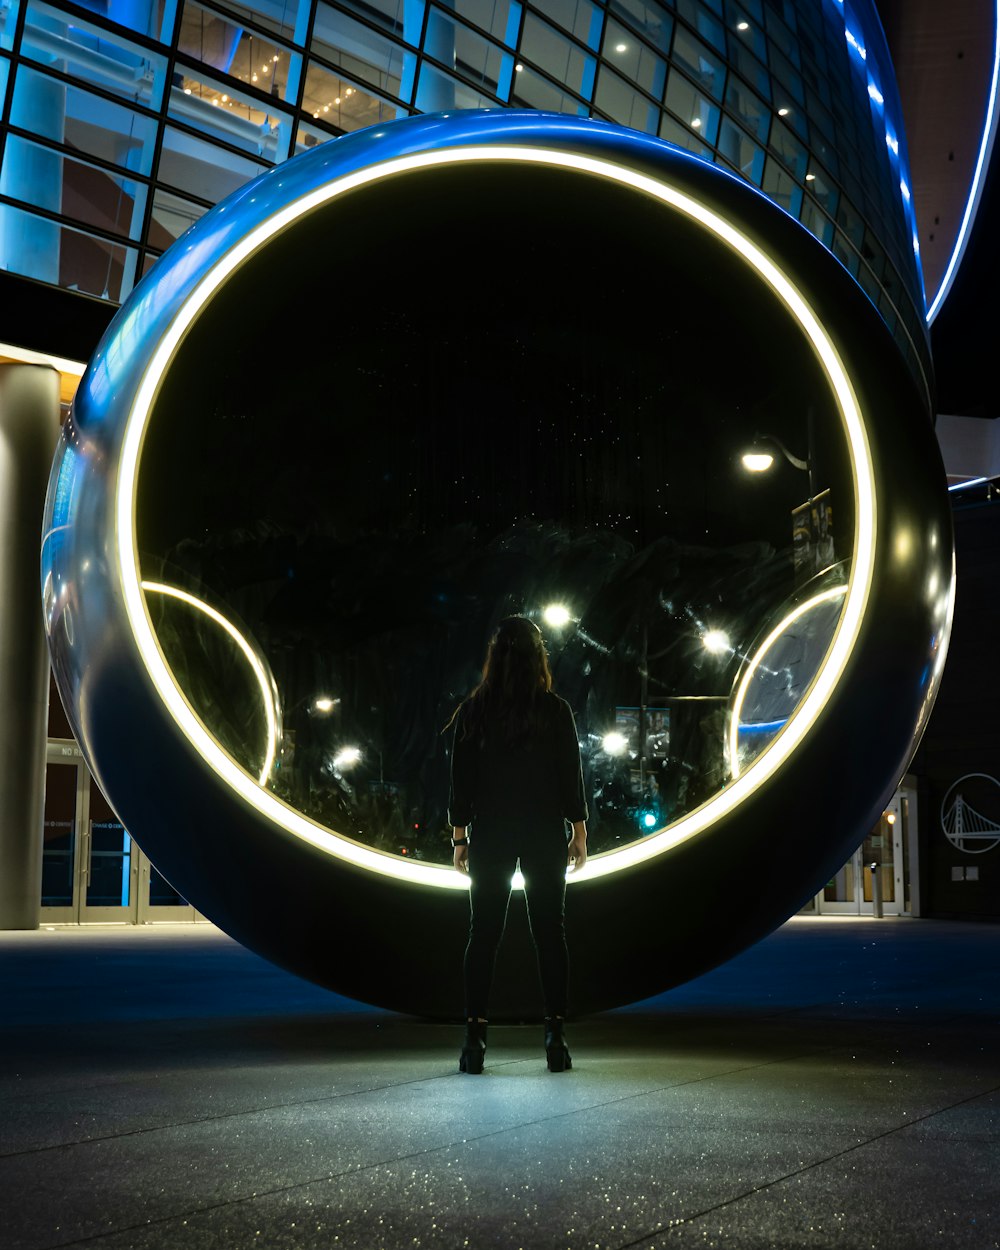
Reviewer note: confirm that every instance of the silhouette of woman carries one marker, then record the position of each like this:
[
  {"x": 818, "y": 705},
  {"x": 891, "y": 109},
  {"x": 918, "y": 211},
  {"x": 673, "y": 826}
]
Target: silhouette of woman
[{"x": 516, "y": 780}]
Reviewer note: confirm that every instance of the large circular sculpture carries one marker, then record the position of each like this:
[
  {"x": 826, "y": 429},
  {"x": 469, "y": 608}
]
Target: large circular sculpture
[{"x": 452, "y": 368}]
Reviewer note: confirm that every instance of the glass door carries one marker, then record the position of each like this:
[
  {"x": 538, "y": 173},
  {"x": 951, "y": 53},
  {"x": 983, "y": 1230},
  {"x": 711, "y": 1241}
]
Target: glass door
[
  {"x": 64, "y": 800},
  {"x": 108, "y": 865},
  {"x": 92, "y": 871},
  {"x": 881, "y": 872}
]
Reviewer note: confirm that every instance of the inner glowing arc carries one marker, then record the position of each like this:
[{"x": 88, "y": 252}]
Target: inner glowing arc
[
  {"x": 295, "y": 822},
  {"x": 252, "y": 658},
  {"x": 741, "y": 692}
]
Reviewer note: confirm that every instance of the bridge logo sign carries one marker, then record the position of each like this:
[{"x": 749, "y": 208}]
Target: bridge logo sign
[{"x": 970, "y": 813}]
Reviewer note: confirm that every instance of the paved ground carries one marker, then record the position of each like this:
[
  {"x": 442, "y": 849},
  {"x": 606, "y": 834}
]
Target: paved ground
[{"x": 836, "y": 1086}]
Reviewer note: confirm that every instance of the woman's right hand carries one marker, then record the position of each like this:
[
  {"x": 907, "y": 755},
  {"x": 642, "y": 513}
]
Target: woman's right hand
[
  {"x": 576, "y": 851},
  {"x": 462, "y": 858}
]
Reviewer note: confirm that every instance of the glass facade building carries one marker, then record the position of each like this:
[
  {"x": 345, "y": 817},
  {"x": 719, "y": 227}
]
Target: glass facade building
[{"x": 123, "y": 121}]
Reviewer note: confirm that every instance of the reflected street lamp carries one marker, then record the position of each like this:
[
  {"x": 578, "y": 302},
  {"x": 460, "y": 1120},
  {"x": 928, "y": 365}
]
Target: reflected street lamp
[{"x": 759, "y": 456}]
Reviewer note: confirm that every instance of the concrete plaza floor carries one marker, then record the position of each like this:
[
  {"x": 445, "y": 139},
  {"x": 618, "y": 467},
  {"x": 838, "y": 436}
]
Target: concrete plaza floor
[{"x": 838, "y": 1086}]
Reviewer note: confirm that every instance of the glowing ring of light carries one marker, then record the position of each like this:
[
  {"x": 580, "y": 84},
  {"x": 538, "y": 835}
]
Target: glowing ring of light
[
  {"x": 252, "y": 658},
  {"x": 758, "y": 658},
  {"x": 862, "y": 564}
]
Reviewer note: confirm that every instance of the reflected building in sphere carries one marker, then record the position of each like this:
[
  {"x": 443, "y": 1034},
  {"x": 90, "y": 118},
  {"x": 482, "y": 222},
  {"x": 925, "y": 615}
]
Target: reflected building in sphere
[{"x": 479, "y": 395}]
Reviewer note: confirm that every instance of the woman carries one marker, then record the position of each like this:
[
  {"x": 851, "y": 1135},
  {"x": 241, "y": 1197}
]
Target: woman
[{"x": 516, "y": 780}]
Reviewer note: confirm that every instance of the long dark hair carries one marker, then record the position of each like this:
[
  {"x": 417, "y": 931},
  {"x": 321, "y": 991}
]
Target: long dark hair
[{"x": 511, "y": 696}]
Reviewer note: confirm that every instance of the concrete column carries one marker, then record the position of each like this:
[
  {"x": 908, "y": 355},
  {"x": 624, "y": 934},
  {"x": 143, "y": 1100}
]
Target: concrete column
[{"x": 29, "y": 429}]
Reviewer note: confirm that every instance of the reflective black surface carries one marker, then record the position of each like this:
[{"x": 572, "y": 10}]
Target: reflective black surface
[{"x": 526, "y": 388}]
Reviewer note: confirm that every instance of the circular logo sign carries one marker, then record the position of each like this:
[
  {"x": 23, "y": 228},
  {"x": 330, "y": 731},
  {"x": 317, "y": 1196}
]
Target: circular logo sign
[{"x": 970, "y": 813}]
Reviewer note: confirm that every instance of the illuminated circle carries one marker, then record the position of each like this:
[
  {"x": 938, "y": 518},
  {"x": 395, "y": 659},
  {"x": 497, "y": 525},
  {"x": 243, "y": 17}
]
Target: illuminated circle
[
  {"x": 769, "y": 273},
  {"x": 263, "y": 679},
  {"x": 348, "y": 914}
]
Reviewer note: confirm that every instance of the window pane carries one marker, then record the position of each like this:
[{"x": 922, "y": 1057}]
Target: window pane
[
  {"x": 459, "y": 48},
  {"x": 704, "y": 22},
  {"x": 362, "y": 54},
  {"x": 172, "y": 215},
  {"x": 557, "y": 56},
  {"x": 402, "y": 19},
  {"x": 231, "y": 49},
  {"x": 747, "y": 28},
  {"x": 341, "y": 103},
  {"x": 674, "y": 132},
  {"x": 533, "y": 91},
  {"x": 707, "y": 70},
  {"x": 143, "y": 16},
  {"x": 633, "y": 59},
  {"x": 201, "y": 169},
  {"x": 4, "y": 63},
  {"x": 818, "y": 222},
  {"x": 782, "y": 187},
  {"x": 740, "y": 150},
  {"x": 749, "y": 108},
  {"x": 581, "y": 18},
  {"x": 56, "y": 253},
  {"x": 286, "y": 20},
  {"x": 822, "y": 188},
  {"x": 8, "y": 20},
  {"x": 789, "y": 77},
  {"x": 623, "y": 104},
  {"x": 59, "y": 182},
  {"x": 88, "y": 123},
  {"x": 242, "y": 120},
  {"x": 788, "y": 150},
  {"x": 693, "y": 107},
  {"x": 745, "y": 63},
  {"x": 92, "y": 55},
  {"x": 307, "y": 137},
  {"x": 648, "y": 19},
  {"x": 437, "y": 90},
  {"x": 499, "y": 18}
]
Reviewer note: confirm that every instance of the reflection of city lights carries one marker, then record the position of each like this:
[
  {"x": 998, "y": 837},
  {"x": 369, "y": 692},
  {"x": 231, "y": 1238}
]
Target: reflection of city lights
[
  {"x": 659, "y": 189},
  {"x": 517, "y": 880},
  {"x": 325, "y": 704},
  {"x": 757, "y": 461},
  {"x": 716, "y": 641},
  {"x": 263, "y": 680},
  {"x": 556, "y": 615},
  {"x": 346, "y": 757},
  {"x": 614, "y": 743},
  {"x": 648, "y": 820}
]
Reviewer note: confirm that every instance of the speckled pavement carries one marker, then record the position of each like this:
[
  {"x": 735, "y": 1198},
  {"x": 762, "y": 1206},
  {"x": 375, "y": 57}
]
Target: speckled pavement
[{"x": 836, "y": 1086}]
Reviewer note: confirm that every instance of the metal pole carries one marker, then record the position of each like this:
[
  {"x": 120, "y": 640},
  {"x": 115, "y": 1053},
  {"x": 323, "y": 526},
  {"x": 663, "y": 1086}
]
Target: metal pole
[{"x": 29, "y": 429}]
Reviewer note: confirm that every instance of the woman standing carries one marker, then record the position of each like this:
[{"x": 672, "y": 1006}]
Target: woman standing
[{"x": 516, "y": 780}]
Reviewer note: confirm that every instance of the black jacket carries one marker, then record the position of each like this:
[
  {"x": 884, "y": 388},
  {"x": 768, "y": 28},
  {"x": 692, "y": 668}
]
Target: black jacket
[{"x": 527, "y": 790}]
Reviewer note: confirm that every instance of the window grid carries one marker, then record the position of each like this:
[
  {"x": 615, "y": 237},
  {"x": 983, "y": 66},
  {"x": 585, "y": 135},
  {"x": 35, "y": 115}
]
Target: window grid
[{"x": 767, "y": 72}]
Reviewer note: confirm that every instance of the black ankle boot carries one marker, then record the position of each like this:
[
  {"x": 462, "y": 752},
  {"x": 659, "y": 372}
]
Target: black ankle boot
[
  {"x": 556, "y": 1051},
  {"x": 474, "y": 1047}
]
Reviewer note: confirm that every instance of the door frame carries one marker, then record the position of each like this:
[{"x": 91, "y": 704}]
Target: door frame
[{"x": 66, "y": 753}]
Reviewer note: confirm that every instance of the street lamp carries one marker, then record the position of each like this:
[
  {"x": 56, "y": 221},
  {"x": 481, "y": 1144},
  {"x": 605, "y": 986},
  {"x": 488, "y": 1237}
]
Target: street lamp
[{"x": 759, "y": 456}]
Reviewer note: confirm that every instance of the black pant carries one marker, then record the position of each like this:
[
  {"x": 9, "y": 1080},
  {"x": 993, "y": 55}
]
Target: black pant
[{"x": 491, "y": 867}]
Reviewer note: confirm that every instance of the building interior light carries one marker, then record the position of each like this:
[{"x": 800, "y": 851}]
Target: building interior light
[
  {"x": 716, "y": 641},
  {"x": 757, "y": 461},
  {"x": 614, "y": 743},
  {"x": 556, "y": 615},
  {"x": 621, "y": 47}
]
